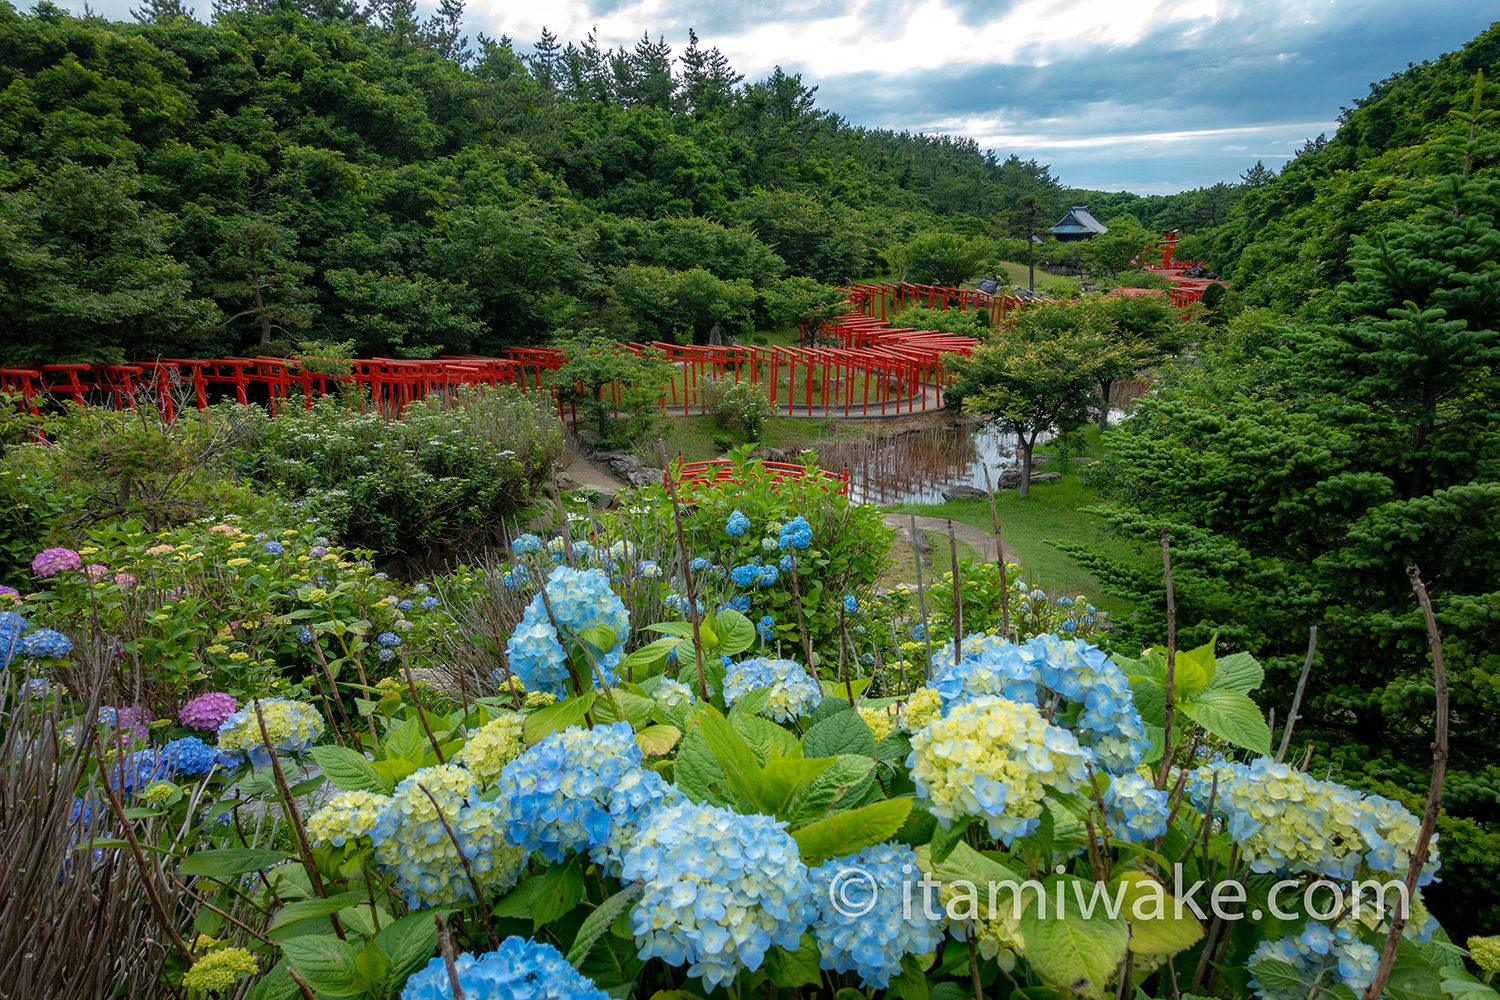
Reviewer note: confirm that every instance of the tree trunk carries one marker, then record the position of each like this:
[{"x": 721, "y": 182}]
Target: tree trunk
[
  {"x": 1105, "y": 384},
  {"x": 265, "y": 318},
  {"x": 1030, "y": 260},
  {"x": 1024, "y": 490}
]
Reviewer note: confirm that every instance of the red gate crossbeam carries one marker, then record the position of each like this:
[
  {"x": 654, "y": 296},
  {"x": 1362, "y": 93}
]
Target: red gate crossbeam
[{"x": 23, "y": 382}]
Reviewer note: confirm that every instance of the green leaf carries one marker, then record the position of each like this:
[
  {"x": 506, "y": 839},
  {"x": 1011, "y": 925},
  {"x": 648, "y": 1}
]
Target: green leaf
[
  {"x": 639, "y": 662},
  {"x": 1279, "y": 978},
  {"x": 792, "y": 969},
  {"x": 597, "y": 922},
  {"x": 682, "y": 630},
  {"x": 767, "y": 740},
  {"x": 847, "y": 832},
  {"x": 1230, "y": 716},
  {"x": 911, "y": 983},
  {"x": 408, "y": 943},
  {"x": 328, "y": 964},
  {"x": 601, "y": 637},
  {"x": 1193, "y": 669},
  {"x": 740, "y": 766},
  {"x": 782, "y": 778},
  {"x": 227, "y": 862},
  {"x": 736, "y": 634},
  {"x": 1158, "y": 927},
  {"x": 306, "y": 909},
  {"x": 348, "y": 771},
  {"x": 945, "y": 838},
  {"x": 655, "y": 741},
  {"x": 556, "y": 891},
  {"x": 698, "y": 772},
  {"x": 556, "y": 717},
  {"x": 633, "y": 708},
  {"x": 1237, "y": 672},
  {"x": 845, "y": 733},
  {"x": 1073, "y": 952},
  {"x": 752, "y": 702},
  {"x": 847, "y": 775},
  {"x": 407, "y": 741},
  {"x": 275, "y": 985}
]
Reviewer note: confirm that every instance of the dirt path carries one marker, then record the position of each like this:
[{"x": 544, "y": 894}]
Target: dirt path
[
  {"x": 586, "y": 473},
  {"x": 982, "y": 542}
]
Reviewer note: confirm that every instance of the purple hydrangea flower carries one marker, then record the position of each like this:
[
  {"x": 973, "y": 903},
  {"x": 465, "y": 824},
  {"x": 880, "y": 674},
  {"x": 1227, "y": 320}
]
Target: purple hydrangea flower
[
  {"x": 50, "y": 562},
  {"x": 207, "y": 711}
]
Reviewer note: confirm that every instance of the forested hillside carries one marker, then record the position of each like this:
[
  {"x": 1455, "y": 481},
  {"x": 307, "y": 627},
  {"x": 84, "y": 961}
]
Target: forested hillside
[{"x": 293, "y": 173}]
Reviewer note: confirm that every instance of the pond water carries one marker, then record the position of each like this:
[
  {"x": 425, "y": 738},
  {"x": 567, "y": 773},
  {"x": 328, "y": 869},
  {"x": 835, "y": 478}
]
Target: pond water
[{"x": 916, "y": 467}]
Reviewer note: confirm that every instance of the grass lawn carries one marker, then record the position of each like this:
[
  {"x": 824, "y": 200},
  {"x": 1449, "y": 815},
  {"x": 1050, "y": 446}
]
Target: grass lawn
[
  {"x": 1052, "y": 513},
  {"x": 1016, "y": 275},
  {"x": 903, "y": 568}
]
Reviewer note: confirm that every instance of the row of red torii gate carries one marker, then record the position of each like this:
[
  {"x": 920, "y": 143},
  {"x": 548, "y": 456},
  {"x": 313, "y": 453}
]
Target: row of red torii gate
[{"x": 858, "y": 365}]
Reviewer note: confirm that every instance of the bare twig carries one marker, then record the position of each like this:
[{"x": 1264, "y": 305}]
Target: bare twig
[
  {"x": 1166, "y": 743},
  {"x": 1292, "y": 716},
  {"x": 445, "y": 943},
  {"x": 687, "y": 571},
  {"x": 921, "y": 595},
  {"x": 958, "y": 601},
  {"x": 999, "y": 557},
  {"x": 1434, "y": 801}
]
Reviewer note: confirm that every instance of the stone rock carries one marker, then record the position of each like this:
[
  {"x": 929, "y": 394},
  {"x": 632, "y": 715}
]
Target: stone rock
[
  {"x": 766, "y": 454},
  {"x": 566, "y": 483},
  {"x": 1008, "y": 479},
  {"x": 922, "y": 546},
  {"x": 587, "y": 438},
  {"x": 964, "y": 493},
  {"x": 1045, "y": 477}
]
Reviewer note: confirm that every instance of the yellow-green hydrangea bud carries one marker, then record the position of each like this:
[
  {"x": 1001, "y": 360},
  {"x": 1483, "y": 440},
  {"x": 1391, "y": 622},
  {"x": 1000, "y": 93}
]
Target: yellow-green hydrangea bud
[
  {"x": 1486, "y": 952},
  {"x": 160, "y": 792},
  {"x": 347, "y": 816},
  {"x": 493, "y": 745},
  {"x": 924, "y": 705},
  {"x": 537, "y": 699},
  {"x": 217, "y": 971},
  {"x": 879, "y": 720}
]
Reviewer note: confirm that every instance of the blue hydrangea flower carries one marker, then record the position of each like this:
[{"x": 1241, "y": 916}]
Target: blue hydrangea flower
[
  {"x": 739, "y": 602},
  {"x": 1317, "y": 951},
  {"x": 273, "y": 548},
  {"x": 1138, "y": 810},
  {"x": 12, "y": 626},
  {"x": 188, "y": 757},
  {"x": 581, "y": 599},
  {"x": 559, "y": 790},
  {"x": 517, "y": 970},
  {"x": 720, "y": 889},
  {"x": 861, "y": 927},
  {"x": 737, "y": 524},
  {"x": 406, "y": 604},
  {"x": 851, "y": 604},
  {"x": 385, "y": 654},
  {"x": 420, "y": 588},
  {"x": 45, "y": 642},
  {"x": 699, "y": 564},
  {"x": 796, "y": 533},
  {"x": 648, "y": 568},
  {"x": 516, "y": 578},
  {"x": 291, "y": 725},
  {"x": 745, "y": 575},
  {"x": 787, "y": 562},
  {"x": 526, "y": 544},
  {"x": 413, "y": 843},
  {"x": 305, "y": 635},
  {"x": 631, "y": 803},
  {"x": 428, "y": 603},
  {"x": 766, "y": 627},
  {"x": 388, "y": 639},
  {"x": 794, "y": 692},
  {"x": 767, "y": 576}
]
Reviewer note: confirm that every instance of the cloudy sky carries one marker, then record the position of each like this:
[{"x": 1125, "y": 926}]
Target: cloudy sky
[{"x": 1142, "y": 95}]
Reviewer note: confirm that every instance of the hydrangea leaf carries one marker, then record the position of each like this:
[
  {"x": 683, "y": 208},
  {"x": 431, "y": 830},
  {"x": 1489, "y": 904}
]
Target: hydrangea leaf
[
  {"x": 326, "y": 963},
  {"x": 1074, "y": 952},
  {"x": 655, "y": 741},
  {"x": 736, "y": 634},
  {"x": 306, "y": 909},
  {"x": 1230, "y": 716},
  {"x": 1158, "y": 926},
  {"x": 766, "y": 738},
  {"x": 1238, "y": 672},
  {"x": 845, "y": 733},
  {"x": 555, "y": 717},
  {"x": 847, "y": 773},
  {"x": 847, "y": 832},
  {"x": 227, "y": 862},
  {"x": 598, "y": 921},
  {"x": 698, "y": 772},
  {"x": 792, "y": 969},
  {"x": 348, "y": 771}
]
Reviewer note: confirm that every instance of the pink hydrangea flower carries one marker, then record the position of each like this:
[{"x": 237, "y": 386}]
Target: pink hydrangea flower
[
  {"x": 124, "y": 580},
  {"x": 9, "y": 593},
  {"x": 131, "y": 721},
  {"x": 50, "y": 562},
  {"x": 95, "y": 571},
  {"x": 223, "y": 529},
  {"x": 207, "y": 711}
]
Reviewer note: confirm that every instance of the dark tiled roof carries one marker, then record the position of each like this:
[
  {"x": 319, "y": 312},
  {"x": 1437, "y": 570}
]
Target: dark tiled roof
[{"x": 1079, "y": 222}]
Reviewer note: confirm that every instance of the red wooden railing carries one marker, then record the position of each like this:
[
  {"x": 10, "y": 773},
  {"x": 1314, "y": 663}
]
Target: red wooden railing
[{"x": 689, "y": 475}]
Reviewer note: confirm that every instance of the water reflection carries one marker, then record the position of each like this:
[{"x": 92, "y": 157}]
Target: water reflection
[{"x": 916, "y": 467}]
